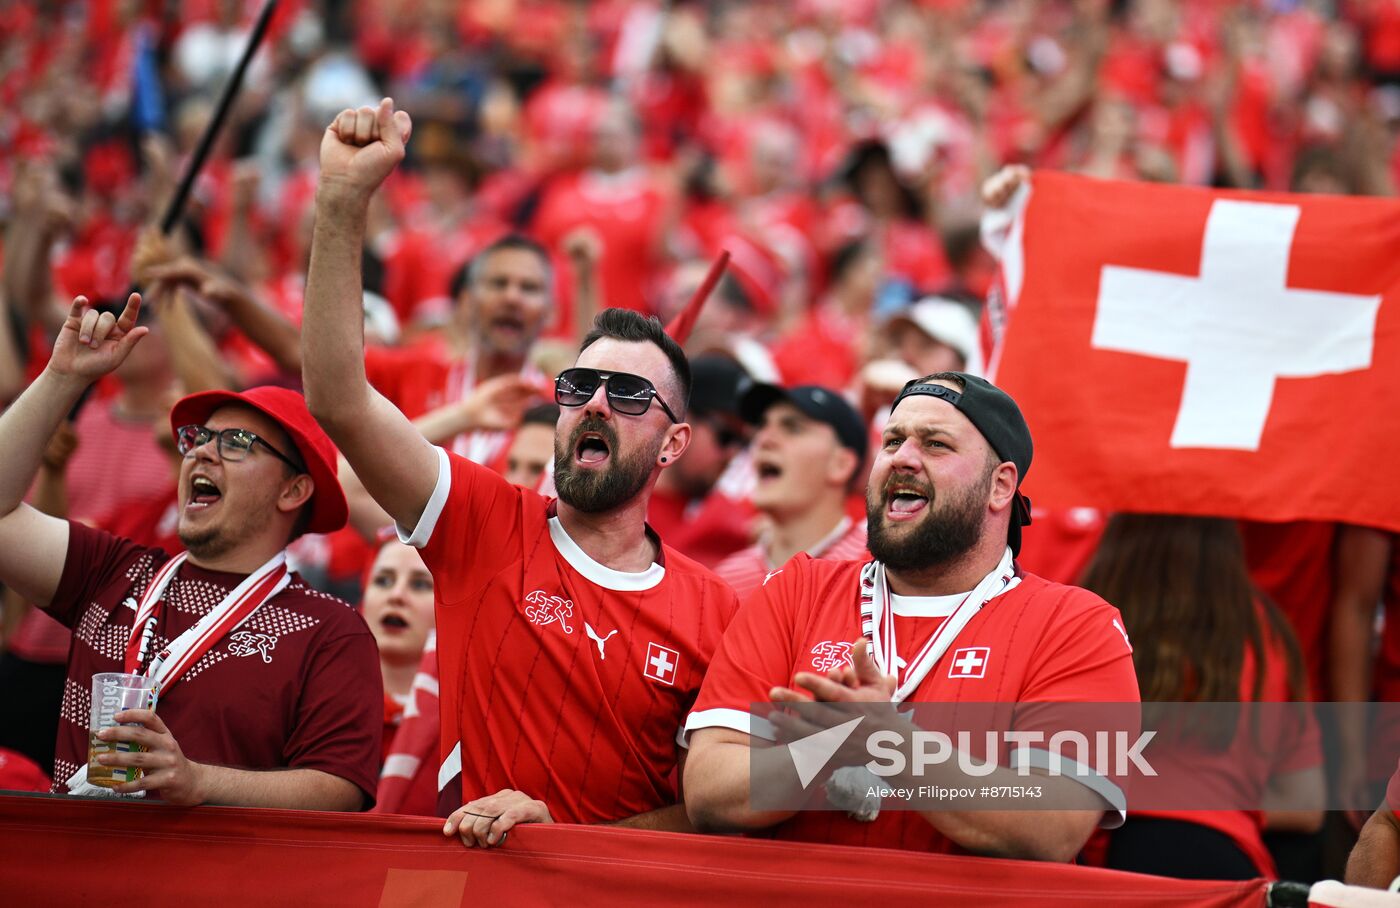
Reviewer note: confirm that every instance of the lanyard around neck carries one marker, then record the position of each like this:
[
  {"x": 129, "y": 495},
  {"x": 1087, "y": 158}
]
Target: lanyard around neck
[
  {"x": 877, "y": 622},
  {"x": 238, "y": 606}
]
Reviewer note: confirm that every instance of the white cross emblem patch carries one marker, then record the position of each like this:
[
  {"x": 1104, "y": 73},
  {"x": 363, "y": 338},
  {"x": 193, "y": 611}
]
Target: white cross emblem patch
[
  {"x": 969, "y": 662},
  {"x": 661, "y": 663}
]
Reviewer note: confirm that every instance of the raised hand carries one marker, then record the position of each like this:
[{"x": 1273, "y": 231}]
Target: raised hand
[
  {"x": 499, "y": 403},
  {"x": 998, "y": 189},
  {"x": 198, "y": 276},
  {"x": 90, "y": 344},
  {"x": 362, "y": 147}
]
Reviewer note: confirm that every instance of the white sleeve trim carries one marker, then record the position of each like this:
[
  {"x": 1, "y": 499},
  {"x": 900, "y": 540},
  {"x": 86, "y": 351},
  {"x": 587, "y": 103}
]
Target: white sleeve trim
[
  {"x": 1117, "y": 811},
  {"x": 737, "y": 719},
  {"x": 451, "y": 767},
  {"x": 427, "y": 522}
]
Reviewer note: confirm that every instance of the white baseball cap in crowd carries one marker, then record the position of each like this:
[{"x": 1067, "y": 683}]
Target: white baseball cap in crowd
[{"x": 948, "y": 322}]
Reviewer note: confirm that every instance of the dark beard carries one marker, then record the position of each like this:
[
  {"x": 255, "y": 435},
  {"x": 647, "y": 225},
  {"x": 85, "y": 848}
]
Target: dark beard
[
  {"x": 946, "y": 533},
  {"x": 594, "y": 491}
]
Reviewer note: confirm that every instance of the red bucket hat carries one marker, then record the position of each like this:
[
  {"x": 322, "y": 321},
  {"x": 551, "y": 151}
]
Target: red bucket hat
[{"x": 287, "y": 408}]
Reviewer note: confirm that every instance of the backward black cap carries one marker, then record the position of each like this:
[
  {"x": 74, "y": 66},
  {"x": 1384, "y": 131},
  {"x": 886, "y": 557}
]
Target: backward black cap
[{"x": 999, "y": 420}]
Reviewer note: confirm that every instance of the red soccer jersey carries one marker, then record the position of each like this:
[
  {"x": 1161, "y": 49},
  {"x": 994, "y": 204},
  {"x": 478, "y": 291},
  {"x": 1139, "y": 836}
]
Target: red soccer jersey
[
  {"x": 417, "y": 379},
  {"x": 422, "y": 377},
  {"x": 745, "y": 571},
  {"x": 297, "y": 685},
  {"x": 1036, "y": 642},
  {"x": 560, "y": 677}
]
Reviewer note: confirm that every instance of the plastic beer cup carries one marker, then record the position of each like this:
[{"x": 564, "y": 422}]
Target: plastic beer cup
[{"x": 113, "y": 692}]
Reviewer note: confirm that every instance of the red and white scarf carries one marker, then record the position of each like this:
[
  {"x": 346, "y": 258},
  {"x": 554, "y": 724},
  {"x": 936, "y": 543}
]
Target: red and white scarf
[
  {"x": 185, "y": 650},
  {"x": 877, "y": 622}
]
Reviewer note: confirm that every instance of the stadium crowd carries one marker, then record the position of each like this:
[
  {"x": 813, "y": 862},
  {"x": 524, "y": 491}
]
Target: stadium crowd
[{"x": 565, "y": 160}]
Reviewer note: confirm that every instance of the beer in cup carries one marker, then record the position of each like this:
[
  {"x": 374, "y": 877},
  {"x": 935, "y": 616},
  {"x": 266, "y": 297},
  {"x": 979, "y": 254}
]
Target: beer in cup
[{"x": 113, "y": 692}]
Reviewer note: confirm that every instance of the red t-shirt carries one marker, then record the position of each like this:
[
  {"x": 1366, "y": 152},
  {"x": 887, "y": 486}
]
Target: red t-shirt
[
  {"x": 417, "y": 378},
  {"x": 1042, "y": 642},
  {"x": 154, "y": 523},
  {"x": 119, "y": 463},
  {"x": 297, "y": 685},
  {"x": 536, "y": 695},
  {"x": 1241, "y": 774},
  {"x": 628, "y": 213},
  {"x": 421, "y": 378},
  {"x": 1292, "y": 564},
  {"x": 709, "y": 529},
  {"x": 419, "y": 269},
  {"x": 821, "y": 350},
  {"x": 745, "y": 571}
]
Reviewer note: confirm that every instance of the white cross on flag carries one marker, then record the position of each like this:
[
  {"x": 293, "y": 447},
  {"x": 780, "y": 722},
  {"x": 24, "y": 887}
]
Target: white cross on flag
[{"x": 1190, "y": 351}]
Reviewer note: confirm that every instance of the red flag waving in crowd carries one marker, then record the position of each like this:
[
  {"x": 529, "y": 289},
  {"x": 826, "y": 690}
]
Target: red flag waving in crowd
[{"x": 1203, "y": 352}]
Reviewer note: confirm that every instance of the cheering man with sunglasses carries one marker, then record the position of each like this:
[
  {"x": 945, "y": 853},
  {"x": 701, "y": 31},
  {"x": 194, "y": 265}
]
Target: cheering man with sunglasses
[
  {"x": 570, "y": 640},
  {"x": 255, "y": 670}
]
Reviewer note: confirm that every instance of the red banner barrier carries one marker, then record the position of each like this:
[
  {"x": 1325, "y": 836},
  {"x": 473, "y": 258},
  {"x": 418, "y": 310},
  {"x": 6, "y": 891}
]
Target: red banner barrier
[{"x": 68, "y": 851}]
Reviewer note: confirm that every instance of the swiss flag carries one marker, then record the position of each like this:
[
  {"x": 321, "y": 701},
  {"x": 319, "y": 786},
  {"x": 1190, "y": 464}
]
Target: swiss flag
[{"x": 1201, "y": 352}]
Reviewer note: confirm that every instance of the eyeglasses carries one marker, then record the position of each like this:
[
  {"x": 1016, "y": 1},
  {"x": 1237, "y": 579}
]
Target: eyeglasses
[
  {"x": 234, "y": 444},
  {"x": 628, "y": 394}
]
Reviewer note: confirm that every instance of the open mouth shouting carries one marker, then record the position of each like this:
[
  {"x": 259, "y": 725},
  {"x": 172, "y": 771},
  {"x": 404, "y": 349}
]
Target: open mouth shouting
[
  {"x": 591, "y": 449},
  {"x": 509, "y": 326},
  {"x": 204, "y": 493},
  {"x": 905, "y": 501},
  {"x": 394, "y": 623},
  {"x": 768, "y": 469}
]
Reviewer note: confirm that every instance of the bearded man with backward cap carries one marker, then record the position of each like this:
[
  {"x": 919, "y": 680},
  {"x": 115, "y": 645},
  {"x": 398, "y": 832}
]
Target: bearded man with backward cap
[{"x": 942, "y": 614}]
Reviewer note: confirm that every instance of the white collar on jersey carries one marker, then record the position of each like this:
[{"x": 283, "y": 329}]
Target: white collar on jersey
[
  {"x": 601, "y": 574},
  {"x": 925, "y": 606}
]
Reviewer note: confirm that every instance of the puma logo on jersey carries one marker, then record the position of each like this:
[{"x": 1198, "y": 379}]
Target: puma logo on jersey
[
  {"x": 1119, "y": 627},
  {"x": 543, "y": 610},
  {"x": 771, "y": 575},
  {"x": 593, "y": 635}
]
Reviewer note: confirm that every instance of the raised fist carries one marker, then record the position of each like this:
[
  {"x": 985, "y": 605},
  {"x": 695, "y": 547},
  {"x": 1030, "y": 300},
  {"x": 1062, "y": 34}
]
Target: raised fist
[
  {"x": 361, "y": 148},
  {"x": 998, "y": 189}
]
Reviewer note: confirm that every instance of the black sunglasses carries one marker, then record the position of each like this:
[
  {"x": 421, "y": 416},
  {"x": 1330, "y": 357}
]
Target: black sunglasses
[
  {"x": 628, "y": 394},
  {"x": 234, "y": 444}
]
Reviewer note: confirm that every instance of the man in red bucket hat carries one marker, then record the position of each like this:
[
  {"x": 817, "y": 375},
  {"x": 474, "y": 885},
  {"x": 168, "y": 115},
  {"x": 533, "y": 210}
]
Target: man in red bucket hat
[{"x": 255, "y": 670}]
